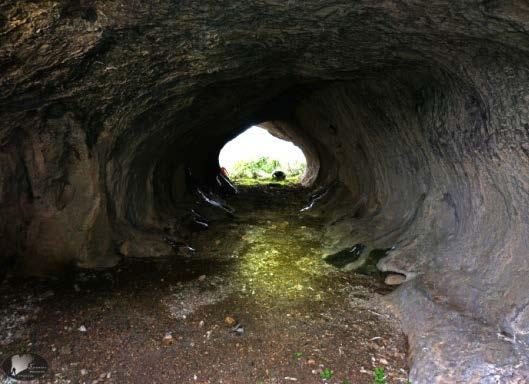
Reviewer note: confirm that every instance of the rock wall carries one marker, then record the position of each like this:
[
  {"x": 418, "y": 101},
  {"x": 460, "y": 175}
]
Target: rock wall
[
  {"x": 419, "y": 179},
  {"x": 416, "y": 112}
]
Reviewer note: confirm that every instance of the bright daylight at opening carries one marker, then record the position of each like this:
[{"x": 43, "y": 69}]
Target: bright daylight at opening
[{"x": 256, "y": 156}]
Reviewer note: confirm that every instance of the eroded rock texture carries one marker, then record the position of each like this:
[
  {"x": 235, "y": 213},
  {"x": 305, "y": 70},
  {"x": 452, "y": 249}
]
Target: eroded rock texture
[{"x": 414, "y": 116}]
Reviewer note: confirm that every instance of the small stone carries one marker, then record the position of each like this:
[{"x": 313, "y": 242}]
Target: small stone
[
  {"x": 76, "y": 288},
  {"x": 82, "y": 328},
  {"x": 102, "y": 376},
  {"x": 201, "y": 324},
  {"x": 383, "y": 361},
  {"x": 167, "y": 339},
  {"x": 202, "y": 278},
  {"x": 395, "y": 279},
  {"x": 229, "y": 320},
  {"x": 84, "y": 372},
  {"x": 311, "y": 362}
]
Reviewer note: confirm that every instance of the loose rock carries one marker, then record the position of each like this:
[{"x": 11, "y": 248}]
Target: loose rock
[
  {"x": 395, "y": 279},
  {"x": 229, "y": 320}
]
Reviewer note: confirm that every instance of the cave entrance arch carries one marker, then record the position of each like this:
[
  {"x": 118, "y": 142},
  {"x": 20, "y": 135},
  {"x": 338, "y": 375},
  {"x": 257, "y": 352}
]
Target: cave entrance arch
[{"x": 256, "y": 155}]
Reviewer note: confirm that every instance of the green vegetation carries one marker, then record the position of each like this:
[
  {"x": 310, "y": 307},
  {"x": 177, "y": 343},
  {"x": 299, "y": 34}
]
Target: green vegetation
[
  {"x": 298, "y": 355},
  {"x": 254, "y": 168},
  {"x": 380, "y": 376},
  {"x": 260, "y": 171},
  {"x": 327, "y": 373}
]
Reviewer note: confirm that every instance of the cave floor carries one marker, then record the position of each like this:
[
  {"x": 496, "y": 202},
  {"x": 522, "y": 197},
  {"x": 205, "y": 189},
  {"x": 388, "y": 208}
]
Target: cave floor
[{"x": 295, "y": 316}]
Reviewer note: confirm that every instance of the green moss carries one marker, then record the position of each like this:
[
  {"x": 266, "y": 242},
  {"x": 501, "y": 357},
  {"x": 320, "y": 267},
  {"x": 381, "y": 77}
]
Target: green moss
[{"x": 281, "y": 260}]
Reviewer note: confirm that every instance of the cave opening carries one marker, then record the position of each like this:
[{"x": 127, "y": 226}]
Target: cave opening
[{"x": 257, "y": 156}]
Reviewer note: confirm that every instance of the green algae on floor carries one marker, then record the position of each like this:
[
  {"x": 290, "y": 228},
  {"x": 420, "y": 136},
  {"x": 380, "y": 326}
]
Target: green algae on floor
[{"x": 281, "y": 260}]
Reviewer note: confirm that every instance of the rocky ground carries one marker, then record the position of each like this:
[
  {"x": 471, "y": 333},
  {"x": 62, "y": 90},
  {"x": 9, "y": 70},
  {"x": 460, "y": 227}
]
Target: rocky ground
[{"x": 254, "y": 304}]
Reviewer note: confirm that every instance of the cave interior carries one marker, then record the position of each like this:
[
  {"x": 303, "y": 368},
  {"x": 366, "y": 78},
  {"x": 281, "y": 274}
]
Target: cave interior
[{"x": 413, "y": 117}]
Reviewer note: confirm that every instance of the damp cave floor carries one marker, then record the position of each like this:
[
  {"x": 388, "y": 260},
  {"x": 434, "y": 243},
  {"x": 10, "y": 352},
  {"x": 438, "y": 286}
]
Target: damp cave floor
[{"x": 264, "y": 269}]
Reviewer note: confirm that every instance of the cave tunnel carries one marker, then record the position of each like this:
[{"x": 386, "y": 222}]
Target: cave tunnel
[{"x": 413, "y": 117}]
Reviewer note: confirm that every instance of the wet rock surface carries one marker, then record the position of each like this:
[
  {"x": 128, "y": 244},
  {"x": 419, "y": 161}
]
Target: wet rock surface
[
  {"x": 256, "y": 303},
  {"x": 347, "y": 257}
]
